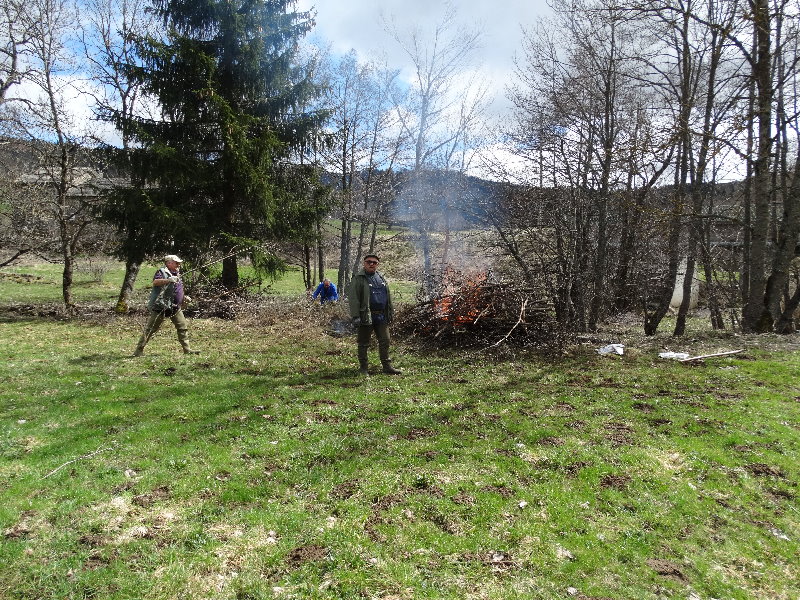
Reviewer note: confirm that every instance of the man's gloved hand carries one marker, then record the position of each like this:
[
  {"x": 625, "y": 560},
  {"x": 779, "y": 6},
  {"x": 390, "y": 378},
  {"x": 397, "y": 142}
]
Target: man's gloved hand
[
  {"x": 173, "y": 279},
  {"x": 356, "y": 321}
]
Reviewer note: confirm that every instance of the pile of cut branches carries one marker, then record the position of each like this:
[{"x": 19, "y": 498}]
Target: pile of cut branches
[
  {"x": 212, "y": 299},
  {"x": 480, "y": 314}
]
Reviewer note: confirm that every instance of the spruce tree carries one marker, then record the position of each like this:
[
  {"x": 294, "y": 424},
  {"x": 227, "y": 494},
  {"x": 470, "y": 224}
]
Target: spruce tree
[{"x": 212, "y": 170}]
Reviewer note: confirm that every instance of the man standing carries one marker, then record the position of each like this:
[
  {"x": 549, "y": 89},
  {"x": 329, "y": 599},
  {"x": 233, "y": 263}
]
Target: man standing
[
  {"x": 166, "y": 299},
  {"x": 371, "y": 310},
  {"x": 326, "y": 291}
]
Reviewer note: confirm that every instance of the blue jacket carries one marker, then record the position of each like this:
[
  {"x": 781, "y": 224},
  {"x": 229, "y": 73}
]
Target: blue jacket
[{"x": 329, "y": 294}]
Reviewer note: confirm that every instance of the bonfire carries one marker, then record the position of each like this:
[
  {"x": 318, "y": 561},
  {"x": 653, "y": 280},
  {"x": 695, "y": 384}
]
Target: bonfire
[{"x": 474, "y": 310}]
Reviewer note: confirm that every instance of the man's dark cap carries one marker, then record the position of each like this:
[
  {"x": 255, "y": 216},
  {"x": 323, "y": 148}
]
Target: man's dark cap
[{"x": 375, "y": 256}]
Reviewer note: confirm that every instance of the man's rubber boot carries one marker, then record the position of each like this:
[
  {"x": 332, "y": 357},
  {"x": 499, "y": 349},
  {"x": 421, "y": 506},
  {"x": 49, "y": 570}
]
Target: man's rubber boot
[
  {"x": 363, "y": 363},
  {"x": 187, "y": 350},
  {"x": 389, "y": 369}
]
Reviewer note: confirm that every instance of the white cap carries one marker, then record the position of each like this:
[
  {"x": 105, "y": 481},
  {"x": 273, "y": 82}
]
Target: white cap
[{"x": 173, "y": 258}]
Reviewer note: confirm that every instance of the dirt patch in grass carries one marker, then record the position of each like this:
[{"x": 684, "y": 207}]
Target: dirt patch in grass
[
  {"x": 18, "y": 531},
  {"x": 550, "y": 441},
  {"x": 323, "y": 402},
  {"x": 764, "y": 470},
  {"x": 93, "y": 540},
  {"x": 147, "y": 500},
  {"x": 619, "y": 434},
  {"x": 694, "y": 403},
  {"x": 96, "y": 562},
  {"x": 20, "y": 277},
  {"x": 616, "y": 482},
  {"x": 463, "y": 499},
  {"x": 304, "y": 554},
  {"x": 575, "y": 468},
  {"x": 382, "y": 503},
  {"x": 379, "y": 505},
  {"x": 666, "y": 569},
  {"x": 503, "y": 490},
  {"x": 23, "y": 528},
  {"x": 417, "y": 433},
  {"x": 498, "y": 561},
  {"x": 644, "y": 407},
  {"x": 345, "y": 490},
  {"x": 781, "y": 494}
]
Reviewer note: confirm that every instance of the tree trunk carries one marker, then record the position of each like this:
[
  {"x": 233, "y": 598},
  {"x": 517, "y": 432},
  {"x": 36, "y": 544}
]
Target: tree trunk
[
  {"x": 131, "y": 273},
  {"x": 230, "y": 272},
  {"x": 67, "y": 276},
  {"x": 756, "y": 317},
  {"x": 320, "y": 251},
  {"x": 785, "y": 248},
  {"x": 717, "y": 322},
  {"x": 653, "y": 320},
  {"x": 344, "y": 253},
  {"x": 785, "y": 323},
  {"x": 600, "y": 264},
  {"x": 308, "y": 274}
]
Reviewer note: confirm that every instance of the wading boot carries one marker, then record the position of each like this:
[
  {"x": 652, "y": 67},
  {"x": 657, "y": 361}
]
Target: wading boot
[
  {"x": 187, "y": 350},
  {"x": 389, "y": 369},
  {"x": 363, "y": 364}
]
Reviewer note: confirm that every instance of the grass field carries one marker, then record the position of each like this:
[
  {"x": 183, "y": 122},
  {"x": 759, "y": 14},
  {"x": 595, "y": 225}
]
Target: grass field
[
  {"x": 264, "y": 468},
  {"x": 98, "y": 281}
]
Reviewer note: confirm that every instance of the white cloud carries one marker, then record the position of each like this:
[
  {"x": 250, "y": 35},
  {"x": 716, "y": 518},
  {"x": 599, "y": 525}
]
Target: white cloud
[{"x": 358, "y": 25}]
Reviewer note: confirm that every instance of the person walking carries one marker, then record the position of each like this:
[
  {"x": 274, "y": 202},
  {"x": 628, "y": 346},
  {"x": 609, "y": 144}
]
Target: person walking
[
  {"x": 371, "y": 310},
  {"x": 166, "y": 300},
  {"x": 326, "y": 291}
]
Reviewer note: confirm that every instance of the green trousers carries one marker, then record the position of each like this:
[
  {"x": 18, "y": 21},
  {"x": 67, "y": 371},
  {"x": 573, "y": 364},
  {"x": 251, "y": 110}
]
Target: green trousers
[
  {"x": 154, "y": 323},
  {"x": 365, "y": 333}
]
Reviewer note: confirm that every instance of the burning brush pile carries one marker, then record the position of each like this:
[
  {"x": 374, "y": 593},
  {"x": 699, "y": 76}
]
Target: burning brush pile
[{"x": 474, "y": 311}]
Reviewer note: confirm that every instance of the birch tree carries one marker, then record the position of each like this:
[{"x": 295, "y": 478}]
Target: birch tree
[{"x": 440, "y": 115}]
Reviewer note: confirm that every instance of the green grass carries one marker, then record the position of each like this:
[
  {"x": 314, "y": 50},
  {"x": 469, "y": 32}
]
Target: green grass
[
  {"x": 264, "y": 468},
  {"x": 93, "y": 281}
]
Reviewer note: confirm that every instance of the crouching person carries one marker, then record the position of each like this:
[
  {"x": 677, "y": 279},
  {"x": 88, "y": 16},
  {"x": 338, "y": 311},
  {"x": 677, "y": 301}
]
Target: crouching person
[
  {"x": 371, "y": 310},
  {"x": 166, "y": 299}
]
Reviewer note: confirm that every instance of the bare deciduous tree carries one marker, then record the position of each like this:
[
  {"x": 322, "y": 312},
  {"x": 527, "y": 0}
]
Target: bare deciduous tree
[
  {"x": 49, "y": 119},
  {"x": 441, "y": 115},
  {"x": 107, "y": 36}
]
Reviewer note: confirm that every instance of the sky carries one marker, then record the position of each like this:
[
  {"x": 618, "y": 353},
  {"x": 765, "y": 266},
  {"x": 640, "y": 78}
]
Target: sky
[{"x": 357, "y": 24}]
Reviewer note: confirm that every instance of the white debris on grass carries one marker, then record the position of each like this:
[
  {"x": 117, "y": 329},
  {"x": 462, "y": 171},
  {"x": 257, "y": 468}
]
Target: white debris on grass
[
  {"x": 779, "y": 534},
  {"x": 612, "y": 349},
  {"x": 564, "y": 554}
]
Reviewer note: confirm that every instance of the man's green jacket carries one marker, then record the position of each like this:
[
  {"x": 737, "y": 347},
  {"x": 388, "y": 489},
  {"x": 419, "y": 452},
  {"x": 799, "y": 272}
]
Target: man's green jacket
[{"x": 358, "y": 297}]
